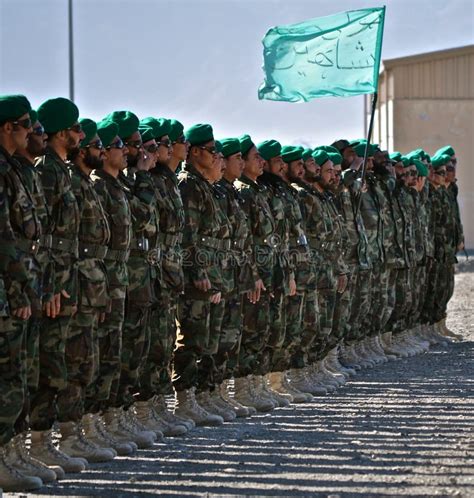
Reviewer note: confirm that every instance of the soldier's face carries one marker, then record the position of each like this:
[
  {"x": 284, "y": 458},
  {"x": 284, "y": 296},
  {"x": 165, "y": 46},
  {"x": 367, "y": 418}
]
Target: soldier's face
[
  {"x": 312, "y": 170},
  {"x": 21, "y": 131},
  {"x": 412, "y": 176},
  {"x": 205, "y": 156},
  {"x": 151, "y": 150},
  {"x": 218, "y": 170},
  {"x": 254, "y": 163},
  {"x": 296, "y": 169},
  {"x": 165, "y": 149},
  {"x": 180, "y": 149},
  {"x": 439, "y": 176},
  {"x": 37, "y": 140},
  {"x": 234, "y": 166},
  {"x": 348, "y": 156},
  {"x": 134, "y": 146},
  {"x": 276, "y": 165},
  {"x": 450, "y": 172},
  {"x": 74, "y": 138},
  {"x": 93, "y": 158},
  {"x": 116, "y": 159},
  {"x": 337, "y": 174},
  {"x": 327, "y": 175}
]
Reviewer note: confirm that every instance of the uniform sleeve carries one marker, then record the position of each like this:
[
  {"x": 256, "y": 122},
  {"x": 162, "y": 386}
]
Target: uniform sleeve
[
  {"x": 192, "y": 198},
  {"x": 142, "y": 204}
]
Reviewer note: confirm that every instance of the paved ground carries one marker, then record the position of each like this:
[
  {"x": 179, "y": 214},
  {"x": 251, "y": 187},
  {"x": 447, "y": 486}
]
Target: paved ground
[{"x": 401, "y": 429}]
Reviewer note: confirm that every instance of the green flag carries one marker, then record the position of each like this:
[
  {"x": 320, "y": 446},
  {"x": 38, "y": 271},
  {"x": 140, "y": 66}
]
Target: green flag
[{"x": 337, "y": 56}]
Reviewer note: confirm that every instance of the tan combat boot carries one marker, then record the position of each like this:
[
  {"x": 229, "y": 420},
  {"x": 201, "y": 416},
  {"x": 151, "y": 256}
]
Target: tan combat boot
[
  {"x": 240, "y": 410},
  {"x": 161, "y": 410},
  {"x": 151, "y": 421},
  {"x": 204, "y": 400},
  {"x": 298, "y": 396},
  {"x": 18, "y": 457},
  {"x": 300, "y": 381},
  {"x": 89, "y": 428},
  {"x": 121, "y": 428},
  {"x": 187, "y": 407},
  {"x": 13, "y": 480},
  {"x": 275, "y": 381},
  {"x": 246, "y": 394},
  {"x": 218, "y": 400},
  {"x": 104, "y": 438},
  {"x": 44, "y": 450},
  {"x": 349, "y": 357},
  {"x": 75, "y": 444},
  {"x": 281, "y": 399},
  {"x": 447, "y": 332}
]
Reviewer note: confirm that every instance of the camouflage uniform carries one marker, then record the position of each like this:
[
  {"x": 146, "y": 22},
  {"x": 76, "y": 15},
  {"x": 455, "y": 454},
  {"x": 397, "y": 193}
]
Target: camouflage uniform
[
  {"x": 144, "y": 269},
  {"x": 117, "y": 208},
  {"x": 82, "y": 345},
  {"x": 193, "y": 358},
  {"x": 244, "y": 276},
  {"x": 20, "y": 230},
  {"x": 156, "y": 375},
  {"x": 63, "y": 227},
  {"x": 253, "y": 358},
  {"x": 43, "y": 280},
  {"x": 277, "y": 197}
]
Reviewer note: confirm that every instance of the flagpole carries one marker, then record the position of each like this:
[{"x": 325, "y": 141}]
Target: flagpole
[
  {"x": 71, "y": 51},
  {"x": 366, "y": 151}
]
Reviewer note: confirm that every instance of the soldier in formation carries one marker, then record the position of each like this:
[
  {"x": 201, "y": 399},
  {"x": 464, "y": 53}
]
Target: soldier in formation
[{"x": 141, "y": 260}]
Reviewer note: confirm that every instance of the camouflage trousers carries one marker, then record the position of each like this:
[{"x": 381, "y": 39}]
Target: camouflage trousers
[
  {"x": 417, "y": 287},
  {"x": 254, "y": 353},
  {"x": 102, "y": 392},
  {"x": 82, "y": 354},
  {"x": 13, "y": 374},
  {"x": 342, "y": 310},
  {"x": 293, "y": 310},
  {"x": 403, "y": 299},
  {"x": 230, "y": 337},
  {"x": 444, "y": 289},
  {"x": 310, "y": 331},
  {"x": 429, "y": 292},
  {"x": 52, "y": 372},
  {"x": 380, "y": 307},
  {"x": 155, "y": 377},
  {"x": 273, "y": 354},
  {"x": 195, "y": 346},
  {"x": 361, "y": 285}
]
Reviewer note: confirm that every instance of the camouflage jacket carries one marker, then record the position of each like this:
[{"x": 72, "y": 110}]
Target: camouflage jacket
[
  {"x": 201, "y": 243},
  {"x": 171, "y": 210},
  {"x": 280, "y": 204},
  {"x": 458, "y": 235},
  {"x": 20, "y": 230},
  {"x": 117, "y": 208},
  {"x": 371, "y": 208},
  {"x": 444, "y": 220},
  {"x": 425, "y": 197},
  {"x": 356, "y": 252},
  {"x": 408, "y": 206},
  {"x": 94, "y": 236},
  {"x": 144, "y": 263},
  {"x": 262, "y": 227},
  {"x": 244, "y": 266},
  {"x": 63, "y": 224}
]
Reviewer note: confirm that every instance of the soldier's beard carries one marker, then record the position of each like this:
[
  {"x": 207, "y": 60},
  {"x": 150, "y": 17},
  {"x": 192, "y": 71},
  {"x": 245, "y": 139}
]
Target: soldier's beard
[
  {"x": 311, "y": 177},
  {"x": 93, "y": 162},
  {"x": 132, "y": 161}
]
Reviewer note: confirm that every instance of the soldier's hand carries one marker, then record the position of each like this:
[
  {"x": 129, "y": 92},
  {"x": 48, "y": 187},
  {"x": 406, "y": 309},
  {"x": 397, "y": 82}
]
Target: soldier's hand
[
  {"x": 341, "y": 283},
  {"x": 216, "y": 298},
  {"x": 22, "y": 313},
  {"x": 203, "y": 285},
  {"x": 460, "y": 246},
  {"x": 102, "y": 317},
  {"x": 254, "y": 296},
  {"x": 292, "y": 287},
  {"x": 51, "y": 308},
  {"x": 145, "y": 161}
]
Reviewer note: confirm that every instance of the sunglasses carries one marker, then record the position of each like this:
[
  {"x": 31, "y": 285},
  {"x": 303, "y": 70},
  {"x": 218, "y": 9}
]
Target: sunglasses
[
  {"x": 413, "y": 173},
  {"x": 136, "y": 144},
  {"x": 450, "y": 168},
  {"x": 180, "y": 140},
  {"x": 440, "y": 173},
  {"x": 24, "y": 123},
  {"x": 211, "y": 150},
  {"x": 38, "y": 130},
  {"x": 151, "y": 148},
  {"x": 165, "y": 143},
  {"x": 77, "y": 128},
  {"x": 95, "y": 145},
  {"x": 118, "y": 144}
]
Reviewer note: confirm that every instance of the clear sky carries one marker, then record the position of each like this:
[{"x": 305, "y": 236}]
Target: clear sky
[{"x": 199, "y": 60}]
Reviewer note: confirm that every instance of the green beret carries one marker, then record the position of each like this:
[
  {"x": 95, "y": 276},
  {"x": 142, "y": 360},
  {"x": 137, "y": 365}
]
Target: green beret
[
  {"x": 146, "y": 132},
  {"x": 199, "y": 134},
  {"x": 126, "y": 121},
  {"x": 33, "y": 116},
  {"x": 13, "y": 107},
  {"x": 160, "y": 127},
  {"x": 57, "y": 114},
  {"x": 421, "y": 168},
  {"x": 107, "y": 131},
  {"x": 327, "y": 148},
  {"x": 246, "y": 143},
  {"x": 447, "y": 149},
  {"x": 335, "y": 157},
  {"x": 290, "y": 153},
  {"x": 176, "y": 130},
  {"x": 440, "y": 160},
  {"x": 417, "y": 153},
  {"x": 230, "y": 146},
  {"x": 360, "y": 149},
  {"x": 269, "y": 149},
  {"x": 396, "y": 156},
  {"x": 406, "y": 161},
  {"x": 219, "y": 147},
  {"x": 320, "y": 156},
  {"x": 89, "y": 128},
  {"x": 306, "y": 154}
]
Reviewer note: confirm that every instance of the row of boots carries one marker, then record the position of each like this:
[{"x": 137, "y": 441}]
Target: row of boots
[{"x": 29, "y": 461}]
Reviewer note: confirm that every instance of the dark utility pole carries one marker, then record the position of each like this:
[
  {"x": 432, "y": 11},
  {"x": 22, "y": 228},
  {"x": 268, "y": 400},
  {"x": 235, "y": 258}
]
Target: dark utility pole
[{"x": 71, "y": 51}]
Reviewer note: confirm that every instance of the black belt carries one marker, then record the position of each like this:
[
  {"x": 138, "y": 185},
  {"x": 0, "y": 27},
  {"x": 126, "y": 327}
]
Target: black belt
[
  {"x": 169, "y": 239},
  {"x": 92, "y": 251},
  {"x": 219, "y": 244},
  {"x": 64, "y": 245},
  {"x": 28, "y": 246},
  {"x": 271, "y": 241},
  {"x": 152, "y": 256}
]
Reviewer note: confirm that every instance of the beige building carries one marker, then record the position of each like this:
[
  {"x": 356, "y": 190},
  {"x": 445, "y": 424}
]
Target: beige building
[{"x": 427, "y": 101}]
